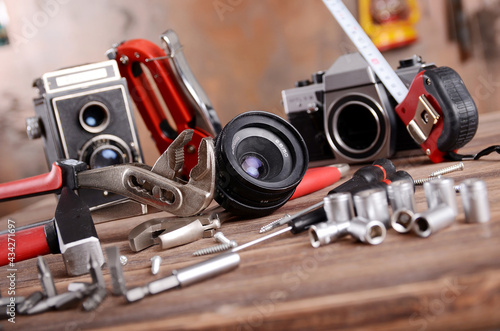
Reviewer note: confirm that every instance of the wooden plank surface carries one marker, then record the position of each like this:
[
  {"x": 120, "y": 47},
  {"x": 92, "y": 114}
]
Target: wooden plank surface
[{"x": 450, "y": 280}]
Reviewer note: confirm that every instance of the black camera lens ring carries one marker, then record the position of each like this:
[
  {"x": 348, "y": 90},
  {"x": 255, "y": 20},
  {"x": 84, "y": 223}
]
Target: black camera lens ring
[
  {"x": 374, "y": 109},
  {"x": 102, "y": 143},
  {"x": 94, "y": 117},
  {"x": 273, "y": 140}
]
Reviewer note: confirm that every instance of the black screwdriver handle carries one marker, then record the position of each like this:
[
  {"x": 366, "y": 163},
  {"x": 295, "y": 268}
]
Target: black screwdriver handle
[
  {"x": 302, "y": 223},
  {"x": 380, "y": 170}
]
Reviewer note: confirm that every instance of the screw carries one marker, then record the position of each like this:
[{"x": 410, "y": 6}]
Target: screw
[
  {"x": 221, "y": 238},
  {"x": 273, "y": 224},
  {"x": 457, "y": 167},
  {"x": 215, "y": 249},
  {"x": 123, "y": 260},
  {"x": 421, "y": 181},
  {"x": 155, "y": 264}
]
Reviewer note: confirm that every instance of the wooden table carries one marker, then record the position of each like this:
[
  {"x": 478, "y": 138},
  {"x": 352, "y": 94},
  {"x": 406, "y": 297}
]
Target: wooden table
[{"x": 450, "y": 280}]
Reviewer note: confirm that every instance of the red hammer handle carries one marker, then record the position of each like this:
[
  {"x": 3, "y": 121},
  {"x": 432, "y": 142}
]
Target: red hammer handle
[
  {"x": 41, "y": 184},
  {"x": 24, "y": 244}
]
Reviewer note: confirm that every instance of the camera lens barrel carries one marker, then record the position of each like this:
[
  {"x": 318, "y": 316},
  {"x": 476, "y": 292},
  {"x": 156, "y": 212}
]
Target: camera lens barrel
[{"x": 260, "y": 160}]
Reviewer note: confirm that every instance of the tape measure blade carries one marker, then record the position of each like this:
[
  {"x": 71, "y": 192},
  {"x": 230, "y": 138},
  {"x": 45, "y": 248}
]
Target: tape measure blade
[{"x": 367, "y": 49}]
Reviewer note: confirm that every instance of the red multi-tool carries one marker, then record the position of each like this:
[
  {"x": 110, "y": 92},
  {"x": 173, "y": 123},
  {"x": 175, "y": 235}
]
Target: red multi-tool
[{"x": 166, "y": 93}]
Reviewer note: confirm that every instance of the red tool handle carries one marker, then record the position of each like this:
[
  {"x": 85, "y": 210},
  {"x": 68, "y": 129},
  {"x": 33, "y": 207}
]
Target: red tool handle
[
  {"x": 24, "y": 244},
  {"x": 316, "y": 179},
  {"x": 144, "y": 55},
  {"x": 41, "y": 184}
]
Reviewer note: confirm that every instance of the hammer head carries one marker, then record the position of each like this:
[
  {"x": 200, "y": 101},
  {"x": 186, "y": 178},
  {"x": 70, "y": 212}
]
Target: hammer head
[{"x": 76, "y": 233}]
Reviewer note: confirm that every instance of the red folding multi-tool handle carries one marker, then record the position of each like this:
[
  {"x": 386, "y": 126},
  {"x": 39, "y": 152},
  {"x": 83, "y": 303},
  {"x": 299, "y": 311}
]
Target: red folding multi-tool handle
[
  {"x": 23, "y": 244},
  {"x": 131, "y": 56},
  {"x": 37, "y": 185}
]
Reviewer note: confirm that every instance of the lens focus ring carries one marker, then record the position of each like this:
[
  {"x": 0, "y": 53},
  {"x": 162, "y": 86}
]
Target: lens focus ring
[{"x": 260, "y": 160}]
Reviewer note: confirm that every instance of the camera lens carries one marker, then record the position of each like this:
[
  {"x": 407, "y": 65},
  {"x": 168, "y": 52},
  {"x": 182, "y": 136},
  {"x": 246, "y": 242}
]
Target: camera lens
[
  {"x": 94, "y": 117},
  {"x": 260, "y": 161},
  {"x": 105, "y": 150},
  {"x": 106, "y": 156}
]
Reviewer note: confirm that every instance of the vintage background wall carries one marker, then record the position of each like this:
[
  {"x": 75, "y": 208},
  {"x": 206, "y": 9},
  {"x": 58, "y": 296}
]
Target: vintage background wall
[{"x": 243, "y": 53}]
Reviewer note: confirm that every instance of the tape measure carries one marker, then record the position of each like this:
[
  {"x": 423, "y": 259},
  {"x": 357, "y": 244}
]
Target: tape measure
[{"x": 368, "y": 50}]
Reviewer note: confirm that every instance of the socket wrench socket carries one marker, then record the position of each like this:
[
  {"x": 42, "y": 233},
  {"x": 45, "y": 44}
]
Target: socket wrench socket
[
  {"x": 474, "y": 196},
  {"x": 372, "y": 204},
  {"x": 433, "y": 220},
  {"x": 326, "y": 232},
  {"x": 339, "y": 207},
  {"x": 401, "y": 195},
  {"x": 371, "y": 232},
  {"x": 402, "y": 220},
  {"x": 441, "y": 190}
]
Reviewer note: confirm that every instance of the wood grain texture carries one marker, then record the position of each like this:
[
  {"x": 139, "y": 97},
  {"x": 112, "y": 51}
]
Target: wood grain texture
[{"x": 450, "y": 280}]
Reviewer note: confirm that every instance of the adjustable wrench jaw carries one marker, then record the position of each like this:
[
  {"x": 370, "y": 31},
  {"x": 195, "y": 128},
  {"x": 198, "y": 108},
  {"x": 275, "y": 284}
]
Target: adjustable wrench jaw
[{"x": 150, "y": 186}]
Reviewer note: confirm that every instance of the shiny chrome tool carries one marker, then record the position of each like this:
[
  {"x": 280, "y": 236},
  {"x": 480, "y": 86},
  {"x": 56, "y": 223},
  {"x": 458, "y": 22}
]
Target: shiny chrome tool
[
  {"x": 157, "y": 186},
  {"x": 170, "y": 232}
]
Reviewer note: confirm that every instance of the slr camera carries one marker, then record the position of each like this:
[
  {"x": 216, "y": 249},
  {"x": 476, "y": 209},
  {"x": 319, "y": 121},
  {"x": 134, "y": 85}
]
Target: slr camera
[
  {"x": 85, "y": 113},
  {"x": 346, "y": 114}
]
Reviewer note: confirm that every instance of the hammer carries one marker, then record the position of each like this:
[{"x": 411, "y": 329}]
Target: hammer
[{"x": 71, "y": 232}]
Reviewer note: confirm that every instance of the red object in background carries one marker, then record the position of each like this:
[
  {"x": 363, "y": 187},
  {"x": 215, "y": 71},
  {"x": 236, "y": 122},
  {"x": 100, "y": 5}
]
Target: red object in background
[
  {"x": 316, "y": 179},
  {"x": 166, "y": 93}
]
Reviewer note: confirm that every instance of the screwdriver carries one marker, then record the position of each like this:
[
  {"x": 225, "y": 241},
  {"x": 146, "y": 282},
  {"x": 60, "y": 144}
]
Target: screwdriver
[{"x": 380, "y": 170}]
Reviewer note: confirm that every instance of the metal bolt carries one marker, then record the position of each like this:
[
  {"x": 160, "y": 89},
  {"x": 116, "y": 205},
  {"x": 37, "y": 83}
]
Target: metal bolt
[
  {"x": 155, "y": 264},
  {"x": 123, "y": 260},
  {"x": 216, "y": 249},
  {"x": 457, "y": 167},
  {"x": 221, "y": 238}
]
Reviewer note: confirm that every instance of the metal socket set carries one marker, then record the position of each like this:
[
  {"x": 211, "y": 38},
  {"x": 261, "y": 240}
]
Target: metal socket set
[{"x": 366, "y": 215}]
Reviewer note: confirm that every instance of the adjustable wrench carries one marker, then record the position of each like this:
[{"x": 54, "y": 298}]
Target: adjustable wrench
[{"x": 158, "y": 186}]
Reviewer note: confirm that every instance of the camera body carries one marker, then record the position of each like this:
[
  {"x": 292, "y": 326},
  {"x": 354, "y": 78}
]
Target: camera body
[
  {"x": 345, "y": 114},
  {"x": 85, "y": 113}
]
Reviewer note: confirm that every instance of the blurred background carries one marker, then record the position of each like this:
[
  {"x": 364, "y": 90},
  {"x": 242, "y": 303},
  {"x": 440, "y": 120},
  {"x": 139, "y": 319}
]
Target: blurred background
[{"x": 242, "y": 52}]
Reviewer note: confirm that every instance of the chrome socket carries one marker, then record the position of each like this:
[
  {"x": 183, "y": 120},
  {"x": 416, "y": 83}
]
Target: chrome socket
[
  {"x": 433, "y": 220},
  {"x": 401, "y": 195},
  {"x": 474, "y": 196},
  {"x": 325, "y": 233},
  {"x": 402, "y": 220},
  {"x": 339, "y": 207},
  {"x": 372, "y": 204},
  {"x": 441, "y": 191},
  {"x": 371, "y": 232}
]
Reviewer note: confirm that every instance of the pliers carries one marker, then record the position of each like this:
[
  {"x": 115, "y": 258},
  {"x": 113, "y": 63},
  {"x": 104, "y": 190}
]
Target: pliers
[{"x": 158, "y": 186}]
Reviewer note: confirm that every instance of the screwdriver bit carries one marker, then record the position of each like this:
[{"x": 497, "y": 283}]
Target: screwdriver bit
[{"x": 45, "y": 276}]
